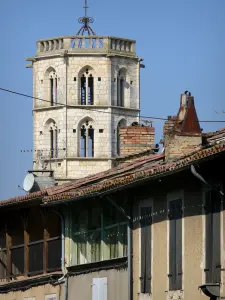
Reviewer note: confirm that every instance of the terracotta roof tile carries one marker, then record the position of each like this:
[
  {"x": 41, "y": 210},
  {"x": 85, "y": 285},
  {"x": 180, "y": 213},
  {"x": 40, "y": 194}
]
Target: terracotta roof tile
[
  {"x": 146, "y": 170},
  {"x": 125, "y": 173}
]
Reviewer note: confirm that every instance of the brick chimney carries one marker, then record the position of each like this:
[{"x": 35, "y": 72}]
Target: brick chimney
[
  {"x": 182, "y": 133},
  {"x": 134, "y": 139}
]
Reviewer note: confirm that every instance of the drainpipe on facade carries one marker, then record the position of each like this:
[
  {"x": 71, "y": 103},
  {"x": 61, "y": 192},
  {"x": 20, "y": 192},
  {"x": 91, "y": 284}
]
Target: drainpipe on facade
[
  {"x": 212, "y": 290},
  {"x": 129, "y": 258},
  {"x": 64, "y": 278},
  {"x": 197, "y": 175}
]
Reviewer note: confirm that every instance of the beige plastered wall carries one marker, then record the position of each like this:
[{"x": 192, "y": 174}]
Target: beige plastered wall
[
  {"x": 35, "y": 293},
  {"x": 80, "y": 287},
  {"x": 193, "y": 254}
]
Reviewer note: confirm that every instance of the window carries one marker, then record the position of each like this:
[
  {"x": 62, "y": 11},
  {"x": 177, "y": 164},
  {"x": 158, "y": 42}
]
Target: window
[
  {"x": 99, "y": 288},
  {"x": 50, "y": 297},
  {"x": 53, "y": 82},
  {"x": 98, "y": 234},
  {"x": 175, "y": 245},
  {"x": 121, "y": 79},
  {"x": 213, "y": 240},
  {"x": 87, "y": 88},
  {"x": 53, "y": 140},
  {"x": 30, "y": 234},
  {"x": 146, "y": 245},
  {"x": 87, "y": 139}
]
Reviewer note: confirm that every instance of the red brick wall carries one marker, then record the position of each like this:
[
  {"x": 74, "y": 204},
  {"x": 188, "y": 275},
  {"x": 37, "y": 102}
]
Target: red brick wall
[{"x": 135, "y": 139}]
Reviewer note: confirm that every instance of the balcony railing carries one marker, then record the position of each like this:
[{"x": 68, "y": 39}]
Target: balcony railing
[{"x": 86, "y": 44}]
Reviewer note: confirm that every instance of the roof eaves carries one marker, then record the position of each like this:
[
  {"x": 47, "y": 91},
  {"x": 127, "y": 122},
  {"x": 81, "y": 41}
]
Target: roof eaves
[{"x": 140, "y": 176}]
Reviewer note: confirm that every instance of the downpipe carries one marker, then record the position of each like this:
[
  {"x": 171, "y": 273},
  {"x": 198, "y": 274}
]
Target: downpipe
[
  {"x": 199, "y": 177},
  {"x": 129, "y": 260}
]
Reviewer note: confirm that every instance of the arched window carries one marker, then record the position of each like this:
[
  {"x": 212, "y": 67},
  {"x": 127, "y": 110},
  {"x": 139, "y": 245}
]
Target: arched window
[
  {"x": 86, "y": 139},
  {"x": 121, "y": 123},
  {"x": 121, "y": 79},
  {"x": 87, "y": 88},
  {"x": 53, "y": 84},
  {"x": 51, "y": 143}
]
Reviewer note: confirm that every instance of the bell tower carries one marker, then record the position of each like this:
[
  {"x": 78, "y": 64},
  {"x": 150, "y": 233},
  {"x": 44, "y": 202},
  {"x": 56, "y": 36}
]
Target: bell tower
[{"x": 85, "y": 87}]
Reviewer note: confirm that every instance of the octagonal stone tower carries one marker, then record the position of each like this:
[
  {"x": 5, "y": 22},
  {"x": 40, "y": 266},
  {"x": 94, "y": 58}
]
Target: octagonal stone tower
[{"x": 84, "y": 88}]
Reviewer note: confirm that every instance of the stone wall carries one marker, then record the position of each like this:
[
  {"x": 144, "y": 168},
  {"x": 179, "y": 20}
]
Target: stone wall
[
  {"x": 104, "y": 114},
  {"x": 177, "y": 145},
  {"x": 136, "y": 139}
]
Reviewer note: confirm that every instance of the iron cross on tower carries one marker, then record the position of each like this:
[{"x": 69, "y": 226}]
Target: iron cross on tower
[{"x": 85, "y": 20}]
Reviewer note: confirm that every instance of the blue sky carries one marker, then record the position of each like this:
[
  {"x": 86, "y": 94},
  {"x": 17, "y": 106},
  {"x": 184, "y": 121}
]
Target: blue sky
[{"x": 182, "y": 43}]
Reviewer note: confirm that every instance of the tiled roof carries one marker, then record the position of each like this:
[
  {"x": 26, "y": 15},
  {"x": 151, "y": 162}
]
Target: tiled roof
[
  {"x": 144, "y": 167},
  {"x": 212, "y": 137},
  {"x": 143, "y": 170}
]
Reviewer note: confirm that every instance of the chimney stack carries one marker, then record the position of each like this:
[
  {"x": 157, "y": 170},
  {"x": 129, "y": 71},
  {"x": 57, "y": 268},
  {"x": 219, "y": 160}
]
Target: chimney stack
[
  {"x": 182, "y": 134},
  {"x": 134, "y": 139}
]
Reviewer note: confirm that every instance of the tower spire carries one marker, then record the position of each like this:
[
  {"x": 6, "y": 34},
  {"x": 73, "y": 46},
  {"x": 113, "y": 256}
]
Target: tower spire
[{"x": 85, "y": 20}]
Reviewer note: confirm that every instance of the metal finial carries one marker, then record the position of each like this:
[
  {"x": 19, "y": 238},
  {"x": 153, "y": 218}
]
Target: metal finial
[{"x": 85, "y": 20}]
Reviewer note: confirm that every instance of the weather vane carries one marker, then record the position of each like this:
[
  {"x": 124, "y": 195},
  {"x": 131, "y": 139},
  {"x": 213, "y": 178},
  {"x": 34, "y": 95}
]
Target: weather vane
[{"x": 85, "y": 20}]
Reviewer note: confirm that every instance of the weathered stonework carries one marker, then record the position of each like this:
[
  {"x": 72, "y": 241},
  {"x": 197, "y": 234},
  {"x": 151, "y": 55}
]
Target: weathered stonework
[
  {"x": 179, "y": 145},
  {"x": 56, "y": 57}
]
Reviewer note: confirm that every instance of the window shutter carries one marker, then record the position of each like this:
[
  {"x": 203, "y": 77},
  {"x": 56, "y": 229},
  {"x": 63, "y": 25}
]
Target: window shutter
[
  {"x": 172, "y": 246},
  {"x": 178, "y": 244},
  {"x": 103, "y": 289},
  {"x": 95, "y": 288},
  {"x": 175, "y": 245},
  {"x": 209, "y": 237},
  {"x": 99, "y": 288},
  {"x": 146, "y": 238},
  {"x": 216, "y": 263},
  {"x": 213, "y": 208},
  {"x": 50, "y": 297}
]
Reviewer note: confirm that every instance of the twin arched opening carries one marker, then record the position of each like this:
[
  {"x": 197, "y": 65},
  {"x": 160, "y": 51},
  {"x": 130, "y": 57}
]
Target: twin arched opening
[
  {"x": 86, "y": 86},
  {"x": 86, "y": 138}
]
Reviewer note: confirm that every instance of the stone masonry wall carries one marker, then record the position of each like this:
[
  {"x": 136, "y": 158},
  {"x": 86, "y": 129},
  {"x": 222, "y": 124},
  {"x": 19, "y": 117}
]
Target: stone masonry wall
[
  {"x": 179, "y": 145},
  {"x": 136, "y": 139},
  {"x": 104, "y": 115}
]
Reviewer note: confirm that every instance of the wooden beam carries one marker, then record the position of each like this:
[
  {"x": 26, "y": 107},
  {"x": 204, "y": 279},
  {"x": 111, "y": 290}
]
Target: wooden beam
[
  {"x": 26, "y": 242},
  {"x": 46, "y": 237},
  {"x": 8, "y": 246}
]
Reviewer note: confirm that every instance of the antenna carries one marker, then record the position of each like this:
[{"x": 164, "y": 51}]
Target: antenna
[{"x": 85, "y": 20}]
